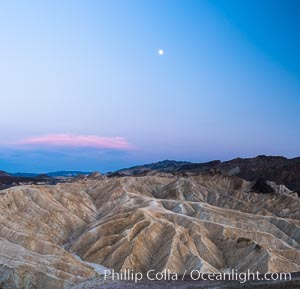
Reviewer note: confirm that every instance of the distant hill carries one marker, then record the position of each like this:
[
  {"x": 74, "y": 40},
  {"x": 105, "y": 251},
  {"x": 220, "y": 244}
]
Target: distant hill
[
  {"x": 52, "y": 174},
  {"x": 13, "y": 179},
  {"x": 167, "y": 166},
  {"x": 26, "y": 175},
  {"x": 67, "y": 173}
]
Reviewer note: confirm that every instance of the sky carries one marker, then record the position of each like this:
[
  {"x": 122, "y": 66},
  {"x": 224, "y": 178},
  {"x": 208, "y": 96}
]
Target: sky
[{"x": 84, "y": 87}]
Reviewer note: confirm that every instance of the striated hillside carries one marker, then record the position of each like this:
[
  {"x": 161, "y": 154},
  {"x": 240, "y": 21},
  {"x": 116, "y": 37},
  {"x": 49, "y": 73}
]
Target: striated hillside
[
  {"x": 35, "y": 223},
  {"x": 209, "y": 220}
]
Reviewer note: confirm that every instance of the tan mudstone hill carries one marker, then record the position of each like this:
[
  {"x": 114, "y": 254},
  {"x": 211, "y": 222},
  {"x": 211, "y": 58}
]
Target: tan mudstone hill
[{"x": 209, "y": 221}]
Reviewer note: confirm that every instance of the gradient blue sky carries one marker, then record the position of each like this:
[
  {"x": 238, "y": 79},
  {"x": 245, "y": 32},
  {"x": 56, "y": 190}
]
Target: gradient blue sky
[{"x": 89, "y": 71}]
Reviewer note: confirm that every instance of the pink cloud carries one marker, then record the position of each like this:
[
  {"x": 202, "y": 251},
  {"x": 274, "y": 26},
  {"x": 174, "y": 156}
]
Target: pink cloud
[{"x": 76, "y": 141}]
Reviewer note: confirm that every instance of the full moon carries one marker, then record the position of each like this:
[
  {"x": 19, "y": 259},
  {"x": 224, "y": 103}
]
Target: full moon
[{"x": 161, "y": 52}]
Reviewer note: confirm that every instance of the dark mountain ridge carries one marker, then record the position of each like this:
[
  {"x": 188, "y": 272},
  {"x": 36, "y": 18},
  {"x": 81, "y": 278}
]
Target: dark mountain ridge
[
  {"x": 278, "y": 169},
  {"x": 167, "y": 166}
]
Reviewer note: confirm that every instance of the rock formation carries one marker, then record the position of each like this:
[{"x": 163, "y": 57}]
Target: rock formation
[{"x": 209, "y": 221}]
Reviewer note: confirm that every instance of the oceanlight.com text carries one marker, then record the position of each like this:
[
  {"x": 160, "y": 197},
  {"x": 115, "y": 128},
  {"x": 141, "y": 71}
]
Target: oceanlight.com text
[{"x": 195, "y": 275}]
